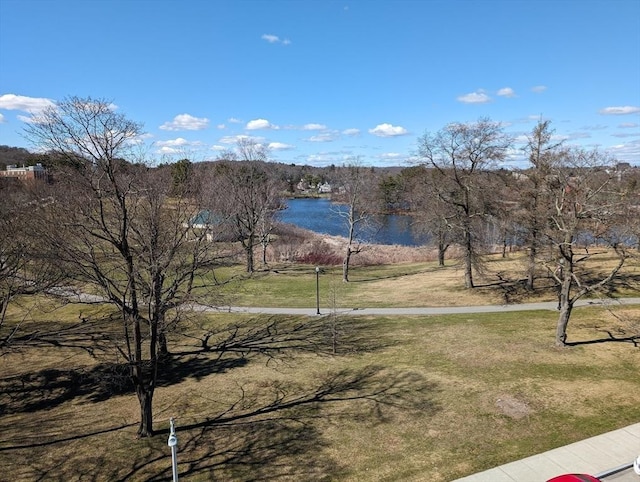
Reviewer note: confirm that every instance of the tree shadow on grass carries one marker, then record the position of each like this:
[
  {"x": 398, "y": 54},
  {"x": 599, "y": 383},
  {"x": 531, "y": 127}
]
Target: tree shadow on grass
[
  {"x": 633, "y": 339},
  {"x": 278, "y": 433},
  {"x": 48, "y": 388},
  {"x": 390, "y": 276},
  {"x": 271, "y": 434},
  {"x": 516, "y": 290},
  {"x": 280, "y": 336},
  {"x": 260, "y": 450},
  {"x": 213, "y": 352}
]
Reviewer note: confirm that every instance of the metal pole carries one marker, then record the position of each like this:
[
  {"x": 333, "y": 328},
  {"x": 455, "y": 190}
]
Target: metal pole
[
  {"x": 173, "y": 443},
  {"x": 317, "y": 290}
]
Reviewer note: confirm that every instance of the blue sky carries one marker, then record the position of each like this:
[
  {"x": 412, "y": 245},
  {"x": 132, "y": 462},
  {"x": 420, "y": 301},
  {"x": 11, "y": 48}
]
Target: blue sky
[{"x": 323, "y": 82}]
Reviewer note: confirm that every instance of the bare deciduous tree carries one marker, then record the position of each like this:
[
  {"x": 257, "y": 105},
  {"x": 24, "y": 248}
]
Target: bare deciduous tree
[
  {"x": 26, "y": 264},
  {"x": 245, "y": 198},
  {"x": 534, "y": 200},
  {"x": 357, "y": 207},
  {"x": 432, "y": 215},
  {"x": 118, "y": 233},
  {"x": 460, "y": 153},
  {"x": 586, "y": 202}
]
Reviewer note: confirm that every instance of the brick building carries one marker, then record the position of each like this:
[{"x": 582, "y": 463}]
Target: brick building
[{"x": 26, "y": 174}]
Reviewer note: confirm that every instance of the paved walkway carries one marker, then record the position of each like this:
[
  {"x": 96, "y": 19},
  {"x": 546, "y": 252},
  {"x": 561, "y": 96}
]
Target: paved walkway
[
  {"x": 593, "y": 456},
  {"x": 444, "y": 310}
]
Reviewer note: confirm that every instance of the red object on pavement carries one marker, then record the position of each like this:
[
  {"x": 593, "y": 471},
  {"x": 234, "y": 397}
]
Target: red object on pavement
[{"x": 574, "y": 478}]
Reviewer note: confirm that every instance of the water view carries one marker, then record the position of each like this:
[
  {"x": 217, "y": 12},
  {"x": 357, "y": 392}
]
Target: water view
[{"x": 321, "y": 216}]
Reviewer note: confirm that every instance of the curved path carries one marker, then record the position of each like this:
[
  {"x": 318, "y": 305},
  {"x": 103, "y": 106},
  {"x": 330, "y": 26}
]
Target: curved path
[{"x": 443, "y": 310}]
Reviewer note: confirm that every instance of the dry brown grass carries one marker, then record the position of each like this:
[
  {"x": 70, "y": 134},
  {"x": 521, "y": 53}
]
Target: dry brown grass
[
  {"x": 424, "y": 283},
  {"x": 407, "y": 399}
]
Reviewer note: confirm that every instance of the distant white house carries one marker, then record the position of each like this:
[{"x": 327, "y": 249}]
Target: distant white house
[
  {"x": 206, "y": 220},
  {"x": 324, "y": 188}
]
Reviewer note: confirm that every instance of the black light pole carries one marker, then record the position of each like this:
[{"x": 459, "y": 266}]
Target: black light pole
[{"x": 317, "y": 290}]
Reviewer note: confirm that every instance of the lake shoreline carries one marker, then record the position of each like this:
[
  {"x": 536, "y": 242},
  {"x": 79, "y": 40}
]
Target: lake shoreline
[
  {"x": 322, "y": 216},
  {"x": 334, "y": 246}
]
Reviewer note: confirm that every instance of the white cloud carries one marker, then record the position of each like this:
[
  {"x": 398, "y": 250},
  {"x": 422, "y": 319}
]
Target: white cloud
[
  {"x": 274, "y": 39},
  {"x": 231, "y": 139},
  {"x": 626, "y": 134},
  {"x": 478, "y": 97},
  {"x": 186, "y": 122},
  {"x": 32, "y": 119},
  {"x": 28, "y": 104},
  {"x": 313, "y": 127},
  {"x": 233, "y": 120},
  {"x": 323, "y": 137},
  {"x": 2, "y": 119},
  {"x": 538, "y": 89},
  {"x": 506, "y": 92},
  {"x": 629, "y": 152},
  {"x": 351, "y": 132},
  {"x": 578, "y": 135},
  {"x": 390, "y": 155},
  {"x": 221, "y": 126},
  {"x": 319, "y": 158},
  {"x": 521, "y": 139},
  {"x": 627, "y": 125},
  {"x": 173, "y": 143},
  {"x": 141, "y": 139},
  {"x": 388, "y": 130},
  {"x": 256, "y": 124},
  {"x": 175, "y": 146},
  {"x": 235, "y": 139},
  {"x": 620, "y": 110},
  {"x": 323, "y": 158},
  {"x": 280, "y": 146}
]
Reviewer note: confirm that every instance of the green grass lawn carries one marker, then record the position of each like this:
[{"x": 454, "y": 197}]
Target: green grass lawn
[
  {"x": 396, "y": 285},
  {"x": 403, "y": 285}
]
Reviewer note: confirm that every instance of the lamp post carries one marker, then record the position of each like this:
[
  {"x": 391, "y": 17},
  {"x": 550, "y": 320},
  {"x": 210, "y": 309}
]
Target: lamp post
[
  {"x": 317, "y": 290},
  {"x": 173, "y": 443}
]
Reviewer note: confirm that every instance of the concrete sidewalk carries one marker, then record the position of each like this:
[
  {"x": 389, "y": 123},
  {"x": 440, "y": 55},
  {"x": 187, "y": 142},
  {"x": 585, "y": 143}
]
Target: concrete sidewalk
[{"x": 592, "y": 456}]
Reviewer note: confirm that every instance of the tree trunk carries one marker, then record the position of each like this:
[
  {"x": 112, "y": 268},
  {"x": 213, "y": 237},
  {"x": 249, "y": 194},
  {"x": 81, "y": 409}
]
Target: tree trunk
[
  {"x": 145, "y": 398},
  {"x": 345, "y": 265},
  {"x": 264, "y": 252},
  {"x": 468, "y": 260},
  {"x": 563, "y": 322},
  {"x": 3, "y": 310},
  {"x": 531, "y": 268},
  {"x": 442, "y": 247},
  {"x": 249, "y": 251},
  {"x": 565, "y": 305},
  {"x": 441, "y": 250},
  {"x": 163, "y": 349}
]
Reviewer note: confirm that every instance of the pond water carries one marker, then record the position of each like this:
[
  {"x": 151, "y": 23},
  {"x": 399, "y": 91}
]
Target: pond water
[{"x": 322, "y": 216}]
